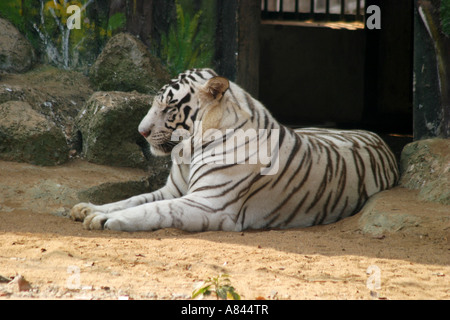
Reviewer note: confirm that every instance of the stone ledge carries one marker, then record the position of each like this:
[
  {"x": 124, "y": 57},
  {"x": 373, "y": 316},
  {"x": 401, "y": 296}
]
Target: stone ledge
[
  {"x": 425, "y": 166},
  {"x": 400, "y": 209}
]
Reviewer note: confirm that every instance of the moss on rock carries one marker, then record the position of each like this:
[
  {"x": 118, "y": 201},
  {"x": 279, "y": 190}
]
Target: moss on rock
[
  {"x": 27, "y": 136},
  {"x": 108, "y": 128},
  {"x": 126, "y": 64},
  {"x": 425, "y": 165},
  {"x": 16, "y": 53}
]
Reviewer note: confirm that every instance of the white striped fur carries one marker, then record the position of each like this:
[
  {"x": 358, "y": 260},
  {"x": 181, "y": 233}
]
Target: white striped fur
[{"x": 322, "y": 175}]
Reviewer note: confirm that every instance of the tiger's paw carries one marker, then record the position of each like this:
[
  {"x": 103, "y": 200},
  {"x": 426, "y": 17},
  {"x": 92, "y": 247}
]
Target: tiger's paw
[
  {"x": 80, "y": 211},
  {"x": 95, "y": 221},
  {"x": 101, "y": 221}
]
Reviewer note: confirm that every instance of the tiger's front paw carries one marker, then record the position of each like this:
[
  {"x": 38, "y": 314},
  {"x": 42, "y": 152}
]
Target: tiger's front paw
[
  {"x": 95, "y": 221},
  {"x": 80, "y": 211}
]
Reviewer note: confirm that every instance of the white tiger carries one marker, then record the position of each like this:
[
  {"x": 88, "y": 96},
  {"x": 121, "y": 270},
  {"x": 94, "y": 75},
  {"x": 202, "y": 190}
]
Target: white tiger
[{"x": 317, "y": 176}]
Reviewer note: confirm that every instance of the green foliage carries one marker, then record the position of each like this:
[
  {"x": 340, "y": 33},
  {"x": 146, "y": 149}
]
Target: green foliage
[
  {"x": 189, "y": 42},
  {"x": 22, "y": 14},
  {"x": 445, "y": 16},
  {"x": 220, "y": 286},
  {"x": 11, "y": 9},
  {"x": 44, "y": 23},
  {"x": 116, "y": 21}
]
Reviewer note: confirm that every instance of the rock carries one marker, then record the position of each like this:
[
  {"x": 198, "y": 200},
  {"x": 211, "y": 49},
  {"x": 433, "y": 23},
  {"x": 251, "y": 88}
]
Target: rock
[
  {"x": 57, "y": 94},
  {"x": 425, "y": 174},
  {"x": 27, "y": 136},
  {"x": 16, "y": 53},
  {"x": 377, "y": 220},
  {"x": 108, "y": 132},
  {"x": 116, "y": 191},
  {"x": 19, "y": 284},
  {"x": 125, "y": 64},
  {"x": 61, "y": 212},
  {"x": 425, "y": 166},
  {"x": 400, "y": 210}
]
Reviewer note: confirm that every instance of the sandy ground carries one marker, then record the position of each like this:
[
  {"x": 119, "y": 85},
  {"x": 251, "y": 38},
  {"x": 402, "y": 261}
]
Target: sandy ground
[{"x": 61, "y": 260}]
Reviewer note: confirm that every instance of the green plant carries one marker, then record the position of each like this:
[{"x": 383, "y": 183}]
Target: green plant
[
  {"x": 220, "y": 286},
  {"x": 116, "y": 21},
  {"x": 445, "y": 16},
  {"x": 22, "y": 14},
  {"x": 188, "y": 43},
  {"x": 44, "y": 23},
  {"x": 12, "y": 10}
]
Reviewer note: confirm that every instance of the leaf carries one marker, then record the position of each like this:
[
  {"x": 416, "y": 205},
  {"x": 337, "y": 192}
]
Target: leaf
[
  {"x": 183, "y": 46},
  {"x": 222, "y": 288},
  {"x": 222, "y": 293},
  {"x": 445, "y": 17},
  {"x": 234, "y": 295},
  {"x": 116, "y": 21},
  {"x": 230, "y": 293},
  {"x": 202, "y": 290}
]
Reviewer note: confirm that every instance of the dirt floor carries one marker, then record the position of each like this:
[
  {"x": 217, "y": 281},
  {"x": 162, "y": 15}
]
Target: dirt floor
[{"x": 61, "y": 260}]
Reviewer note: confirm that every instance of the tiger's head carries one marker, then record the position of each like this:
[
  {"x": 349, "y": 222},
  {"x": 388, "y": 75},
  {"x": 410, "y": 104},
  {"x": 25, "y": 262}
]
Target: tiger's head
[{"x": 178, "y": 105}]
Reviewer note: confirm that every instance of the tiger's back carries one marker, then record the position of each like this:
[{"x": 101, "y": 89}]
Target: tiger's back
[{"x": 326, "y": 175}]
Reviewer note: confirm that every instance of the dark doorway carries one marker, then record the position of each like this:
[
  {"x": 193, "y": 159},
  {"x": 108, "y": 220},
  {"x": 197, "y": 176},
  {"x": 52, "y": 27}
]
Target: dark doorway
[{"x": 331, "y": 70}]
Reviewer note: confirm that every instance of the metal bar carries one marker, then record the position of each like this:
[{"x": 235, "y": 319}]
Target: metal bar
[
  {"x": 358, "y": 10},
  {"x": 278, "y": 12},
  {"x": 327, "y": 9}
]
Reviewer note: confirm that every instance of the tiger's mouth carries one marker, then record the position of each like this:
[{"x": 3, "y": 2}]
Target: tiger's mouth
[
  {"x": 162, "y": 149},
  {"x": 161, "y": 143}
]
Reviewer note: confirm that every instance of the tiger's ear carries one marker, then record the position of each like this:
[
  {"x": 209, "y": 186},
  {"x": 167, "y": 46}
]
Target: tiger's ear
[{"x": 217, "y": 86}]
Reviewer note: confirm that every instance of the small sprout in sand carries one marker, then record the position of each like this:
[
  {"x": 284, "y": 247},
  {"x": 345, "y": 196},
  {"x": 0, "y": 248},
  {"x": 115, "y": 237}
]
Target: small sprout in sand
[{"x": 219, "y": 286}]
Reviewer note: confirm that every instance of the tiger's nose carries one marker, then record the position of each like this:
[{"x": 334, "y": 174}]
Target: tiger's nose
[
  {"x": 144, "y": 128},
  {"x": 145, "y": 133}
]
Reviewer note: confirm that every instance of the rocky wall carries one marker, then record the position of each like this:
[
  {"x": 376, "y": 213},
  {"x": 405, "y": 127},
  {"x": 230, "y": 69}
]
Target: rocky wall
[{"x": 50, "y": 115}]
